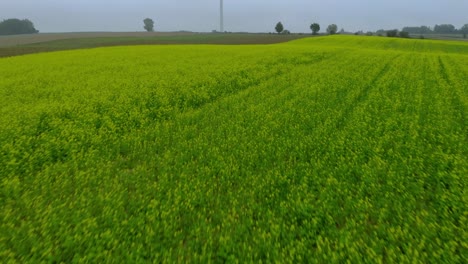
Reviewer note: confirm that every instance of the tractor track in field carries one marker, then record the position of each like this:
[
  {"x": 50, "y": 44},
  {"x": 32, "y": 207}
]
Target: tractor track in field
[
  {"x": 342, "y": 120},
  {"x": 455, "y": 97},
  {"x": 277, "y": 69}
]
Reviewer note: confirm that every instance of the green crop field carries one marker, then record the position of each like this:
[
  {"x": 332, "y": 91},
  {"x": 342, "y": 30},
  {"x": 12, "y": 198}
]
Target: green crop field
[{"x": 323, "y": 150}]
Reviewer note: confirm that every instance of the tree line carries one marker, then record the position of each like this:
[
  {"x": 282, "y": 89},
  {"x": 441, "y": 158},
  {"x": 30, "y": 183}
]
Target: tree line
[
  {"x": 404, "y": 33},
  {"x": 333, "y": 29},
  {"x": 422, "y": 30},
  {"x": 438, "y": 29},
  {"x": 315, "y": 27}
]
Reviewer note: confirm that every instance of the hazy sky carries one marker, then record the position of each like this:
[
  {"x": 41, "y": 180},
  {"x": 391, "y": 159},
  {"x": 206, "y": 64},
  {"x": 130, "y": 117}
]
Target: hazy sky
[{"x": 240, "y": 15}]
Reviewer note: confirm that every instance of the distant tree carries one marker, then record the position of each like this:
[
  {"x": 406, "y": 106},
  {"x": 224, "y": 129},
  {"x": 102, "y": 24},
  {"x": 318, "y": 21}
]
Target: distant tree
[
  {"x": 425, "y": 30},
  {"x": 332, "y": 29},
  {"x": 403, "y": 34},
  {"x": 315, "y": 27},
  {"x": 464, "y": 30},
  {"x": 342, "y": 31},
  {"x": 392, "y": 33},
  {"x": 149, "y": 24},
  {"x": 444, "y": 29},
  {"x": 286, "y": 32},
  {"x": 381, "y": 32},
  {"x": 279, "y": 27},
  {"x": 369, "y": 33},
  {"x": 15, "y": 26}
]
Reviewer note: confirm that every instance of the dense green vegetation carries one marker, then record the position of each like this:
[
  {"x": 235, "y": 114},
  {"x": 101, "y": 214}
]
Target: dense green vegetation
[{"x": 323, "y": 149}]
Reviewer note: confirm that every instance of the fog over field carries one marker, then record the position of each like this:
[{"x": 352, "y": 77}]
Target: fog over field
[{"x": 240, "y": 15}]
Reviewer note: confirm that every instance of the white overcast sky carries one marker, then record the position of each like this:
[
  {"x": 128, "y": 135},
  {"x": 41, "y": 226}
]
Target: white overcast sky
[{"x": 240, "y": 15}]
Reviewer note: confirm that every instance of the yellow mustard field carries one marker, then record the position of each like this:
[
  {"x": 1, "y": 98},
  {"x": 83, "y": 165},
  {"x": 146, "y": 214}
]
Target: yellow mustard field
[{"x": 321, "y": 150}]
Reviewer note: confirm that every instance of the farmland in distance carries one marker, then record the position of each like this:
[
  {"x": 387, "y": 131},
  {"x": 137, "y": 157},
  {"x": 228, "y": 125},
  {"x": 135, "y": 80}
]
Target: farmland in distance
[
  {"x": 324, "y": 150},
  {"x": 47, "y": 42}
]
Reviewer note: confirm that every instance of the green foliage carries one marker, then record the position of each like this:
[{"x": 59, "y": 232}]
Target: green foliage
[
  {"x": 16, "y": 26},
  {"x": 381, "y": 32},
  {"x": 444, "y": 29},
  {"x": 392, "y": 33},
  {"x": 418, "y": 30},
  {"x": 217, "y": 154},
  {"x": 149, "y": 24},
  {"x": 403, "y": 34},
  {"x": 315, "y": 27},
  {"x": 332, "y": 29},
  {"x": 279, "y": 27},
  {"x": 464, "y": 30}
]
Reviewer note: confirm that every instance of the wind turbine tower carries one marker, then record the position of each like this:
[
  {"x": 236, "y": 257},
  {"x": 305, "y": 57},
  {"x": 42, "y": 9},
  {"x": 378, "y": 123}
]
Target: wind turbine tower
[{"x": 221, "y": 16}]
